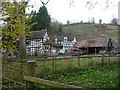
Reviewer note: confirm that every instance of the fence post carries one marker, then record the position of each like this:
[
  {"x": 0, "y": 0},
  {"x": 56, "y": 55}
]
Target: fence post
[
  {"x": 78, "y": 59},
  {"x": 21, "y": 65},
  {"x": 31, "y": 72},
  {"x": 53, "y": 63},
  {"x": 102, "y": 59},
  {"x": 109, "y": 58}
]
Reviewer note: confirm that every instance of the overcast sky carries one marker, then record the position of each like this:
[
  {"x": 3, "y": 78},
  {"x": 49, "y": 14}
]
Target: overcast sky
[{"x": 62, "y": 11}]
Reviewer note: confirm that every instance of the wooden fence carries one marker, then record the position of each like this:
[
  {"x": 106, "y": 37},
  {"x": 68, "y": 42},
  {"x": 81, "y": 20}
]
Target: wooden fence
[
  {"x": 54, "y": 58},
  {"x": 31, "y": 80}
]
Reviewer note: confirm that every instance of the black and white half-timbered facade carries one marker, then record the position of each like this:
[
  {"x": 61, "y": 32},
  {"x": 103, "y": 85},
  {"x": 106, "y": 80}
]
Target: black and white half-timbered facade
[
  {"x": 35, "y": 43},
  {"x": 65, "y": 42}
]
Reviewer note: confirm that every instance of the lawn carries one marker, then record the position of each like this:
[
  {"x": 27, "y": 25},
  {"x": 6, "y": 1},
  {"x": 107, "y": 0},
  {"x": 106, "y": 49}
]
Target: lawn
[
  {"x": 62, "y": 68},
  {"x": 46, "y": 67},
  {"x": 89, "y": 77}
]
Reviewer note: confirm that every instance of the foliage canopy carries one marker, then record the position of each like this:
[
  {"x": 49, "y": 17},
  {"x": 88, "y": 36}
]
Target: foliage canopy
[{"x": 15, "y": 23}]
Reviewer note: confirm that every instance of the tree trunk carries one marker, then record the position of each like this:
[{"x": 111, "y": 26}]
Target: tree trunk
[
  {"x": 22, "y": 47},
  {"x": 22, "y": 51}
]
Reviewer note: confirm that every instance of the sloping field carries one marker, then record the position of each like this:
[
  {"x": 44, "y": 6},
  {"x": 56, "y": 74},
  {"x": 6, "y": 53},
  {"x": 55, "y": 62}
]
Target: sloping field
[
  {"x": 90, "y": 31},
  {"x": 112, "y": 32}
]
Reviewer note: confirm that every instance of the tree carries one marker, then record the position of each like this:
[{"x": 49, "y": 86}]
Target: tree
[
  {"x": 42, "y": 18},
  {"x": 68, "y": 22},
  {"x": 56, "y": 27},
  {"x": 100, "y": 21},
  {"x": 60, "y": 28},
  {"x": 114, "y": 21},
  {"x": 81, "y": 21},
  {"x": 90, "y": 4},
  {"x": 44, "y": 3},
  {"x": 33, "y": 20},
  {"x": 16, "y": 26},
  {"x": 93, "y": 20}
]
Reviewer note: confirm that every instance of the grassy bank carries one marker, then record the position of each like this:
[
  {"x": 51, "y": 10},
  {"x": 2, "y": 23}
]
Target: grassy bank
[{"x": 85, "y": 31}]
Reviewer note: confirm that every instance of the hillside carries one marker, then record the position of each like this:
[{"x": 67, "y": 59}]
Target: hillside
[{"x": 90, "y": 31}]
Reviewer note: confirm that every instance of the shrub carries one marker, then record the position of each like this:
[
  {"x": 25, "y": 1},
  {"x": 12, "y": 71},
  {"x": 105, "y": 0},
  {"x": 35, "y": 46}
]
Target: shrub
[{"x": 36, "y": 53}]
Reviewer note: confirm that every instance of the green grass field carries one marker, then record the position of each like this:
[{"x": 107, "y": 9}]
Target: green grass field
[
  {"x": 100, "y": 77},
  {"x": 46, "y": 68}
]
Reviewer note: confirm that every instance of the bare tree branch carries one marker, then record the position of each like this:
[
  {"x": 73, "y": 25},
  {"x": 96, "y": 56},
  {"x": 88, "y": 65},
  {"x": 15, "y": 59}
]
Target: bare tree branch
[
  {"x": 71, "y": 3},
  {"x": 90, "y": 4},
  {"x": 44, "y": 3}
]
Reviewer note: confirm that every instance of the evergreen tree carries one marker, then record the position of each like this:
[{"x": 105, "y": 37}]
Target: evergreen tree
[
  {"x": 100, "y": 21},
  {"x": 42, "y": 19},
  {"x": 33, "y": 20}
]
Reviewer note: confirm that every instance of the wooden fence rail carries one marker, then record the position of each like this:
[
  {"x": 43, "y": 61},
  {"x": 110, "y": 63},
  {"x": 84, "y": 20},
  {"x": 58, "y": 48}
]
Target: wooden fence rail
[
  {"x": 15, "y": 81},
  {"x": 54, "y": 58},
  {"x": 17, "y": 69},
  {"x": 50, "y": 83},
  {"x": 61, "y": 57}
]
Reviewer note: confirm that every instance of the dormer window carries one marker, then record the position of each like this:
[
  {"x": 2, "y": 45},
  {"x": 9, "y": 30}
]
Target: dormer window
[{"x": 65, "y": 38}]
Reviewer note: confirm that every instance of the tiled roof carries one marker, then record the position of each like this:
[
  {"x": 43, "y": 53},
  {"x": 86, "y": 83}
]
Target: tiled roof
[
  {"x": 37, "y": 34},
  {"x": 94, "y": 43}
]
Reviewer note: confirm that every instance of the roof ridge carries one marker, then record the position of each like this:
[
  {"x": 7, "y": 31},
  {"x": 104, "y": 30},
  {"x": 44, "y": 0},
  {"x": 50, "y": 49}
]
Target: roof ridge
[{"x": 39, "y": 30}]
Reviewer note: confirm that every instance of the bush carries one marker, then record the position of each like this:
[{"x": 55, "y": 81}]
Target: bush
[{"x": 36, "y": 53}]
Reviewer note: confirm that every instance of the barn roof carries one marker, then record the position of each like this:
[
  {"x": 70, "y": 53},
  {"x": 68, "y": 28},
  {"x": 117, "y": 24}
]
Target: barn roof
[{"x": 101, "y": 42}]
